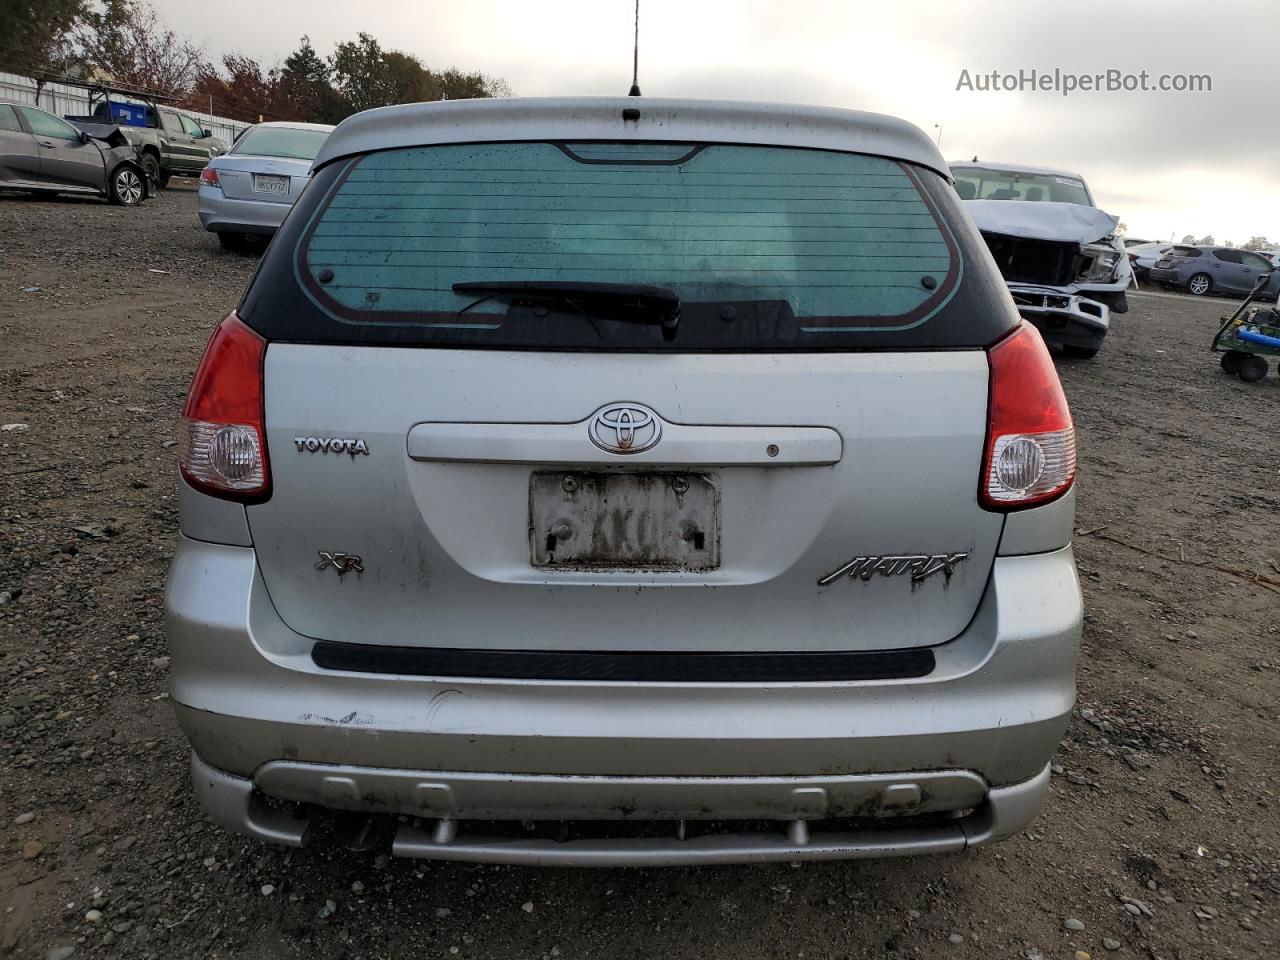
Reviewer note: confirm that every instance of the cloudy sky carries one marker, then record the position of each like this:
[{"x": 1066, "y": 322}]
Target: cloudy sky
[{"x": 1167, "y": 163}]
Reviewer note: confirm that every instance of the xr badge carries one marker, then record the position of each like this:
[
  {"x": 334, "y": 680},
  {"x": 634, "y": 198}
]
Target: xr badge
[
  {"x": 342, "y": 562},
  {"x": 921, "y": 566}
]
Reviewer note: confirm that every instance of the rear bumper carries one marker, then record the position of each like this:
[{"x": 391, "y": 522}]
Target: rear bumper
[
  {"x": 792, "y": 811},
  {"x": 220, "y": 214},
  {"x": 265, "y": 721}
]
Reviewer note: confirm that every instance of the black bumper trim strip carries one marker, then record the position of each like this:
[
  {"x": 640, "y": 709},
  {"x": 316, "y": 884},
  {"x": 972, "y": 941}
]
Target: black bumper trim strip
[{"x": 623, "y": 667}]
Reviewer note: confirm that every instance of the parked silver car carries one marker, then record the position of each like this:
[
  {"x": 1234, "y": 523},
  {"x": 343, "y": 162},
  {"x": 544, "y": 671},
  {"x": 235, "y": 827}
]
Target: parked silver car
[
  {"x": 1202, "y": 270},
  {"x": 249, "y": 189},
  {"x": 611, "y": 481},
  {"x": 42, "y": 153}
]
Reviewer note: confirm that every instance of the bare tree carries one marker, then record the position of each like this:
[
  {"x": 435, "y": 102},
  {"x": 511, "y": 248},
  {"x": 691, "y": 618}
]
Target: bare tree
[{"x": 126, "y": 40}]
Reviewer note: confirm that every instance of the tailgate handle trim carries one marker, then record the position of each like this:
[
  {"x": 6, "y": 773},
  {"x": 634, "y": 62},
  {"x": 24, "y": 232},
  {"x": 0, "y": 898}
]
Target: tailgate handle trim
[{"x": 570, "y": 443}]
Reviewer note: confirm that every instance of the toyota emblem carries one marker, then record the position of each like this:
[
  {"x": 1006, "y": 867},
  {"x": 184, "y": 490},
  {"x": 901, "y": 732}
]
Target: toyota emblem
[{"x": 624, "y": 428}]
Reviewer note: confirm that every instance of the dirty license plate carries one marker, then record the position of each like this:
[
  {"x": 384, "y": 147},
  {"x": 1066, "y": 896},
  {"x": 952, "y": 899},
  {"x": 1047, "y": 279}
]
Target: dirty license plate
[
  {"x": 633, "y": 521},
  {"x": 266, "y": 183}
]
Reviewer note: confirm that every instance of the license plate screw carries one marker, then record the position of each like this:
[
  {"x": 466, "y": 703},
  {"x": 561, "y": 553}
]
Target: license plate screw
[
  {"x": 771, "y": 449},
  {"x": 569, "y": 484},
  {"x": 680, "y": 485}
]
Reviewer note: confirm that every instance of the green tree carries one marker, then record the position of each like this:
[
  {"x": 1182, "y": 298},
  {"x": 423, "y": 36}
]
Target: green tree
[
  {"x": 456, "y": 85},
  {"x": 368, "y": 76},
  {"x": 361, "y": 73},
  {"x": 410, "y": 81},
  {"x": 34, "y": 34},
  {"x": 1258, "y": 243},
  {"x": 305, "y": 91}
]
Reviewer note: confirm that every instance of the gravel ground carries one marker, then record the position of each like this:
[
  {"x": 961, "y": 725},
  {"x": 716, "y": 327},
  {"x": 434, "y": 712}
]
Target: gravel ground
[{"x": 1159, "y": 840}]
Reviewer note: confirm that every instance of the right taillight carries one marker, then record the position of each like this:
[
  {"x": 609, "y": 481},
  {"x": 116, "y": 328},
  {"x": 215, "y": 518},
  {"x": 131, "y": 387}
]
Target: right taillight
[
  {"x": 222, "y": 440},
  {"x": 209, "y": 177},
  {"x": 1030, "y": 455}
]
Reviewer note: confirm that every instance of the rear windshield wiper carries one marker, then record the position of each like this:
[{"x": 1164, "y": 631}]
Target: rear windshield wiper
[{"x": 655, "y": 306}]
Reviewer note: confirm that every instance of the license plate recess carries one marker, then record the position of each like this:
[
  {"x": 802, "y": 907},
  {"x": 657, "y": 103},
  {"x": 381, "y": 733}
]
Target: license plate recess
[{"x": 624, "y": 520}]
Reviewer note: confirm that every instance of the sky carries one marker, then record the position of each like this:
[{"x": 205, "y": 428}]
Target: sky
[{"x": 1167, "y": 163}]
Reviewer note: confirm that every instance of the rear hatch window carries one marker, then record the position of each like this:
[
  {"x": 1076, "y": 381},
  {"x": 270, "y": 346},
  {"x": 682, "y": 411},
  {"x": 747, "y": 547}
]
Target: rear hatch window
[{"x": 767, "y": 248}]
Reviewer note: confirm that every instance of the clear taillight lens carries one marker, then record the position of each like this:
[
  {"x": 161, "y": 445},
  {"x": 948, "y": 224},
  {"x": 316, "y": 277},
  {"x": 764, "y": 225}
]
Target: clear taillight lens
[
  {"x": 222, "y": 444},
  {"x": 221, "y": 455},
  {"x": 1030, "y": 453},
  {"x": 1029, "y": 468}
]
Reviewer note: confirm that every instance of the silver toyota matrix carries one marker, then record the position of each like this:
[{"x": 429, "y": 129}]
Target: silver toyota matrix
[{"x": 625, "y": 481}]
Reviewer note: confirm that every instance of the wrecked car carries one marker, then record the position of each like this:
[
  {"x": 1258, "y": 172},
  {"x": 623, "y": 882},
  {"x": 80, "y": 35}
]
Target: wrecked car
[
  {"x": 170, "y": 143},
  {"x": 43, "y": 153},
  {"x": 1060, "y": 256}
]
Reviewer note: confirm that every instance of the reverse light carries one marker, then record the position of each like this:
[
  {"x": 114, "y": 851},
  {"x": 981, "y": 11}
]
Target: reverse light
[
  {"x": 1030, "y": 455},
  {"x": 222, "y": 442},
  {"x": 209, "y": 177}
]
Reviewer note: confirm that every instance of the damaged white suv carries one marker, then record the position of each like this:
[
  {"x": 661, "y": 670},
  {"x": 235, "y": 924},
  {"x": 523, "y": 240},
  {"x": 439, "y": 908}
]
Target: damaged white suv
[{"x": 1059, "y": 254}]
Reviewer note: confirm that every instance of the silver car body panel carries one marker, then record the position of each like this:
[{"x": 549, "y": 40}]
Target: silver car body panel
[
  {"x": 248, "y": 693},
  {"x": 1040, "y": 530},
  {"x": 446, "y": 552},
  {"x": 207, "y": 518},
  {"x": 218, "y": 214},
  {"x": 659, "y": 118}
]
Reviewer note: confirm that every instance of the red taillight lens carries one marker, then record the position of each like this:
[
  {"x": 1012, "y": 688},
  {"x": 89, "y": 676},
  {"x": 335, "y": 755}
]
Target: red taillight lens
[
  {"x": 1031, "y": 444},
  {"x": 222, "y": 441},
  {"x": 209, "y": 176}
]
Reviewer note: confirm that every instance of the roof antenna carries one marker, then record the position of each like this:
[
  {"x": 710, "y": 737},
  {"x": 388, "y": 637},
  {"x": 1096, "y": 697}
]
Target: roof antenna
[{"x": 635, "y": 58}]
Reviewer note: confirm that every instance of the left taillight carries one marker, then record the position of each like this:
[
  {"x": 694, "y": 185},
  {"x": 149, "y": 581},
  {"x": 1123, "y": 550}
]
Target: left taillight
[
  {"x": 209, "y": 177},
  {"x": 222, "y": 441}
]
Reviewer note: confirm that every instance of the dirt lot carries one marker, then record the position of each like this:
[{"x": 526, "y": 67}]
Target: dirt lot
[{"x": 1166, "y": 793}]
